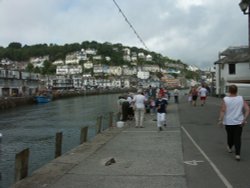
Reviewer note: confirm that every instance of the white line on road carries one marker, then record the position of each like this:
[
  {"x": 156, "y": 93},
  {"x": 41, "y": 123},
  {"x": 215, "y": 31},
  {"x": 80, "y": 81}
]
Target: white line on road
[
  {"x": 140, "y": 131},
  {"x": 224, "y": 180}
]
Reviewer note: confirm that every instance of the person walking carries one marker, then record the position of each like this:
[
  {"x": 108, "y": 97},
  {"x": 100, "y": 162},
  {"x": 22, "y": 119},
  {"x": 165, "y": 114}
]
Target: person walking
[
  {"x": 139, "y": 105},
  {"x": 203, "y": 94},
  {"x": 233, "y": 115},
  {"x": 194, "y": 94},
  {"x": 176, "y": 96},
  {"x": 161, "y": 106}
]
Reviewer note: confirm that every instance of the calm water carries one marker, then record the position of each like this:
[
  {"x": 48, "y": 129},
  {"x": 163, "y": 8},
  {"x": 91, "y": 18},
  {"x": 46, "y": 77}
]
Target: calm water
[{"x": 35, "y": 127}]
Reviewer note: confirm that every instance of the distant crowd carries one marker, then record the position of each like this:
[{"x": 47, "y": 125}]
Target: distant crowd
[{"x": 154, "y": 101}]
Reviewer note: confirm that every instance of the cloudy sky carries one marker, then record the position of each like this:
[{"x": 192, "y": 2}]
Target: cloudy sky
[{"x": 193, "y": 31}]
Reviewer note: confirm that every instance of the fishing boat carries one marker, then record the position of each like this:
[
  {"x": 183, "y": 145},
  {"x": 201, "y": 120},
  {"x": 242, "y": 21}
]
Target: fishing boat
[{"x": 42, "y": 99}]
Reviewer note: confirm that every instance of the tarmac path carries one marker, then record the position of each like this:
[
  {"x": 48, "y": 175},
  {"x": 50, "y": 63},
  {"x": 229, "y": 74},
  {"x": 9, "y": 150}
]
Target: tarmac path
[{"x": 204, "y": 144}]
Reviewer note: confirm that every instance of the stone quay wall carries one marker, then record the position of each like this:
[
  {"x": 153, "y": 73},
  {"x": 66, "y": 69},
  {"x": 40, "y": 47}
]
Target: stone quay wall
[{"x": 12, "y": 102}]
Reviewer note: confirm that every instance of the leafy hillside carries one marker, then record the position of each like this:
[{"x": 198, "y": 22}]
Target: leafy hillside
[
  {"x": 18, "y": 52},
  {"x": 22, "y": 53}
]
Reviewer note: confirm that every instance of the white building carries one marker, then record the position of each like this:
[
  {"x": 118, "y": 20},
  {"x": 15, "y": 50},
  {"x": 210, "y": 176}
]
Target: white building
[
  {"x": 233, "y": 67},
  {"x": 98, "y": 69},
  {"x": 149, "y": 58},
  {"x": 68, "y": 69},
  {"x": 129, "y": 71},
  {"x": 91, "y": 51},
  {"x": 151, "y": 68},
  {"x": 38, "y": 61},
  {"x": 88, "y": 65},
  {"x": 97, "y": 57},
  {"x": 141, "y": 55},
  {"x": 72, "y": 61},
  {"x": 115, "y": 70},
  {"x": 143, "y": 75},
  {"x": 82, "y": 55},
  {"x": 58, "y": 62}
]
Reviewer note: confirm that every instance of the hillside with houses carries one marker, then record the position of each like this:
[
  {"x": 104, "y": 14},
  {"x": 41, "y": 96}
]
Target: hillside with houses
[{"x": 87, "y": 66}]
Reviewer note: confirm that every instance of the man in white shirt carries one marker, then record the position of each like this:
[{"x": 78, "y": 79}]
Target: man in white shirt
[
  {"x": 139, "y": 104},
  {"x": 203, "y": 95}
]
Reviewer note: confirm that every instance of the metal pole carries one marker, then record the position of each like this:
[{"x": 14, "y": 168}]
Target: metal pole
[
  {"x": 219, "y": 75},
  {"x": 249, "y": 26}
]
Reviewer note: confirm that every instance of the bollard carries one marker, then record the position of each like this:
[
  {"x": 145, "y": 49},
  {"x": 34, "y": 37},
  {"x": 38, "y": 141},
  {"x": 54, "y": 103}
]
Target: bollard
[
  {"x": 21, "y": 164},
  {"x": 58, "y": 145},
  {"x": 84, "y": 135},
  {"x": 0, "y": 153},
  {"x": 110, "y": 119},
  {"x": 99, "y": 124}
]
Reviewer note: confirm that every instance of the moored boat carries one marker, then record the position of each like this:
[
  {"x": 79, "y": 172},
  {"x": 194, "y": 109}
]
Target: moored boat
[{"x": 42, "y": 99}]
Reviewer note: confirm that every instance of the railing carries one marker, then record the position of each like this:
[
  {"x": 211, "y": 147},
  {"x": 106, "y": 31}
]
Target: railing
[{"x": 22, "y": 158}]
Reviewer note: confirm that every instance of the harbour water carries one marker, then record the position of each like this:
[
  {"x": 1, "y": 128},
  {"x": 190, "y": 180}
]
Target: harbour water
[{"x": 35, "y": 127}]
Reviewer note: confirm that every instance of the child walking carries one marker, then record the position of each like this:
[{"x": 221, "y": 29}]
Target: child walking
[{"x": 161, "y": 106}]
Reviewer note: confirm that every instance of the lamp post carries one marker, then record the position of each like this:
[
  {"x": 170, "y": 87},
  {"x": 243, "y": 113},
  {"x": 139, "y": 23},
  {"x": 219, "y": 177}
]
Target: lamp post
[{"x": 245, "y": 7}]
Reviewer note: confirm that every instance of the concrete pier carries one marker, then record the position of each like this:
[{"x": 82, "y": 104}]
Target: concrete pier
[{"x": 120, "y": 157}]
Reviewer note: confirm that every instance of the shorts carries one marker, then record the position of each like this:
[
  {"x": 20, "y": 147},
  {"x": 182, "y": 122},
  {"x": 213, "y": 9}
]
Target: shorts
[{"x": 203, "y": 98}]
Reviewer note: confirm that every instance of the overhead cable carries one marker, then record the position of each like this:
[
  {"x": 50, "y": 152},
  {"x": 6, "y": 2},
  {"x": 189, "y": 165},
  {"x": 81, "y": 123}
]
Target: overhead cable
[{"x": 130, "y": 25}]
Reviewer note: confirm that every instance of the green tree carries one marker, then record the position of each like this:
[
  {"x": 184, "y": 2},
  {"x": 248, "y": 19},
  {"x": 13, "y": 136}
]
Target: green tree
[
  {"x": 15, "y": 45},
  {"x": 30, "y": 67},
  {"x": 48, "y": 68}
]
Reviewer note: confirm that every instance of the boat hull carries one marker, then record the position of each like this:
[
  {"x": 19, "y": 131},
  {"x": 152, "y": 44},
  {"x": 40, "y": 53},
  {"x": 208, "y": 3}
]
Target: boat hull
[{"x": 42, "y": 99}]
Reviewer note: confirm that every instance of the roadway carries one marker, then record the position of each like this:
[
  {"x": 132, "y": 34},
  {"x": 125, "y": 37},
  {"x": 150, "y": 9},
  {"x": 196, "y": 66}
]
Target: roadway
[{"x": 207, "y": 162}]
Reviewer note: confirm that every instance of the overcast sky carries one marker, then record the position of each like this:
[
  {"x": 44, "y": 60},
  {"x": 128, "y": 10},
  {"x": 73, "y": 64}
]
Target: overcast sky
[{"x": 193, "y": 31}]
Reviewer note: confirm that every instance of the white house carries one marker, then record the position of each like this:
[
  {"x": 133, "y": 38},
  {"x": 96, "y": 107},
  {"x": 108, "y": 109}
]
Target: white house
[
  {"x": 97, "y": 57},
  {"x": 82, "y": 55},
  {"x": 77, "y": 82},
  {"x": 149, "y": 58},
  {"x": 58, "y": 62},
  {"x": 62, "y": 82},
  {"x": 88, "y": 65},
  {"x": 143, "y": 75},
  {"x": 133, "y": 56},
  {"x": 107, "y": 58},
  {"x": 151, "y": 68},
  {"x": 129, "y": 71},
  {"x": 68, "y": 69},
  {"x": 71, "y": 61},
  {"x": 115, "y": 70},
  {"x": 126, "y": 58},
  {"x": 5, "y": 62},
  {"x": 126, "y": 51},
  {"x": 91, "y": 51},
  {"x": 233, "y": 67},
  {"x": 38, "y": 61},
  {"x": 98, "y": 69}
]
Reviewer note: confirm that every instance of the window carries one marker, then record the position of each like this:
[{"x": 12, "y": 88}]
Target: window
[{"x": 231, "y": 68}]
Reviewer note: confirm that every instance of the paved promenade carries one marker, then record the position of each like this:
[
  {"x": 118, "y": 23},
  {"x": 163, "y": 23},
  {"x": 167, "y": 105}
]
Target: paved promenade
[{"x": 144, "y": 157}]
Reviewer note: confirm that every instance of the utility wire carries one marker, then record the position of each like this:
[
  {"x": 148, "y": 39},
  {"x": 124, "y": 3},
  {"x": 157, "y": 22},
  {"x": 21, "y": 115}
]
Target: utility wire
[{"x": 130, "y": 25}]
